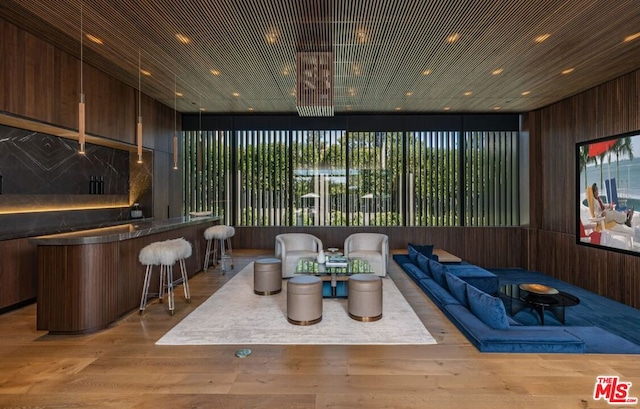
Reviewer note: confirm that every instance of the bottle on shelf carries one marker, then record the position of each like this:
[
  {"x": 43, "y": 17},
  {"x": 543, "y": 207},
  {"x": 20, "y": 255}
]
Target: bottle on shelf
[
  {"x": 136, "y": 212},
  {"x": 92, "y": 185},
  {"x": 101, "y": 185}
]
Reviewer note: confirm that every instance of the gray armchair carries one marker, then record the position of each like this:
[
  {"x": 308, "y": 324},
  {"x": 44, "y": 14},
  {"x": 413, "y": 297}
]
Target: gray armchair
[
  {"x": 373, "y": 247},
  {"x": 290, "y": 247}
]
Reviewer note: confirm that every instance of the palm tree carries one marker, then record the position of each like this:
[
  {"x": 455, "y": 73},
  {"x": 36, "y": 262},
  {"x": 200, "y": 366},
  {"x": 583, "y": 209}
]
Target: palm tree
[{"x": 622, "y": 147}]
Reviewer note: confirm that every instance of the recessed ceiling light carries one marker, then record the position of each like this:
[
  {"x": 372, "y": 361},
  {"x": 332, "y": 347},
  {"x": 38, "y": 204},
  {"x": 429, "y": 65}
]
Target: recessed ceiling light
[
  {"x": 235, "y": 94},
  {"x": 496, "y": 108},
  {"x": 631, "y": 37},
  {"x": 525, "y": 93},
  {"x": 349, "y": 108},
  {"x": 215, "y": 72},
  {"x": 202, "y": 109},
  {"x": 446, "y": 108},
  {"x": 426, "y": 72},
  {"x": 271, "y": 38},
  {"x": 542, "y": 38},
  {"x": 568, "y": 71},
  {"x": 409, "y": 93},
  {"x": 498, "y": 71},
  {"x": 398, "y": 109},
  {"x": 94, "y": 39},
  {"x": 352, "y": 92},
  {"x": 179, "y": 94},
  {"x": 468, "y": 93},
  {"x": 453, "y": 38},
  {"x": 361, "y": 36},
  {"x": 145, "y": 72},
  {"x": 250, "y": 108},
  {"x": 183, "y": 38}
]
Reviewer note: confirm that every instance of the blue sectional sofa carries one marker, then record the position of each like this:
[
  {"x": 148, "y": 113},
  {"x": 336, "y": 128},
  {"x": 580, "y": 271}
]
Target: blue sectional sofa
[{"x": 468, "y": 296}]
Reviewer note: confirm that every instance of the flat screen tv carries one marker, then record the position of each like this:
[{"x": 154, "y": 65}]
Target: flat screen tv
[{"x": 608, "y": 191}]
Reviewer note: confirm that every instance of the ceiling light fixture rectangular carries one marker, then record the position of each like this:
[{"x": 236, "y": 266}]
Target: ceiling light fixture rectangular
[{"x": 314, "y": 83}]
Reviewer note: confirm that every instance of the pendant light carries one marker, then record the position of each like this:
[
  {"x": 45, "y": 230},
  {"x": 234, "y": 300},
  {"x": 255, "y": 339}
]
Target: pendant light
[
  {"x": 81, "y": 112},
  {"x": 139, "y": 127},
  {"x": 175, "y": 124}
]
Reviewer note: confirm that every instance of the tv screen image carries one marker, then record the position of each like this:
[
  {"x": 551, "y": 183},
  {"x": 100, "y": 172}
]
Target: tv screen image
[{"x": 608, "y": 189}]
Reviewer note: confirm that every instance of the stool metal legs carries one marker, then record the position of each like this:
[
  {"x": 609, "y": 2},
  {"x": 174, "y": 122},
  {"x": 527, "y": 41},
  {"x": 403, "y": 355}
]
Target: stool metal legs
[
  {"x": 145, "y": 288},
  {"x": 166, "y": 281},
  {"x": 225, "y": 253}
]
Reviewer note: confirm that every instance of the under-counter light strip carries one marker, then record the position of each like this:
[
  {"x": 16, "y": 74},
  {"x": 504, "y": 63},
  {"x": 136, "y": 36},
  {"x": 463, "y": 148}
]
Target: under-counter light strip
[{"x": 22, "y": 210}]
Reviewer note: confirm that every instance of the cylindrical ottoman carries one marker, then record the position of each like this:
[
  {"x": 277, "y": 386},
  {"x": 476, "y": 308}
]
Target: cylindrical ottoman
[
  {"x": 267, "y": 276},
  {"x": 304, "y": 300},
  {"x": 365, "y": 297}
]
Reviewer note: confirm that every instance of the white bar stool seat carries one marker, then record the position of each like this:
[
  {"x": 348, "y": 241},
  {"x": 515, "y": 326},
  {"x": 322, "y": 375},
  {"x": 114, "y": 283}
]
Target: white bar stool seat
[
  {"x": 219, "y": 238},
  {"x": 165, "y": 254}
]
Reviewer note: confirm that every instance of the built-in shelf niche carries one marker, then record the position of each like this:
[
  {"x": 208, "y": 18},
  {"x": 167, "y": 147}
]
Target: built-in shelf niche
[{"x": 46, "y": 183}]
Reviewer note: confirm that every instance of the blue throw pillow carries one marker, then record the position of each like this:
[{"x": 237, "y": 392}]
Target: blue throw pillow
[
  {"x": 423, "y": 263},
  {"x": 487, "y": 308},
  {"x": 413, "y": 255},
  {"x": 458, "y": 289},
  {"x": 426, "y": 249},
  {"x": 438, "y": 271}
]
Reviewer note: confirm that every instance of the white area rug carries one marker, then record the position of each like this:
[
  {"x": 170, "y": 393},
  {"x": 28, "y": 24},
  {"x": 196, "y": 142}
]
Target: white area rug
[{"x": 234, "y": 315}]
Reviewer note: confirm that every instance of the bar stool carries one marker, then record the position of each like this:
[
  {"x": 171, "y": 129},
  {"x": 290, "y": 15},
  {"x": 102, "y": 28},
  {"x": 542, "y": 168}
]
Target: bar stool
[
  {"x": 165, "y": 254},
  {"x": 304, "y": 300},
  {"x": 183, "y": 250},
  {"x": 219, "y": 237}
]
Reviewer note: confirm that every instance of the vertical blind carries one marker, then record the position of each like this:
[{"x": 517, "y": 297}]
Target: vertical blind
[{"x": 366, "y": 178}]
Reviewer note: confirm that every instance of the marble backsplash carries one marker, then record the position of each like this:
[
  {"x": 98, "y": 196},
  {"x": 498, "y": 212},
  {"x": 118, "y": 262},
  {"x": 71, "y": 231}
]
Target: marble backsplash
[{"x": 46, "y": 186}]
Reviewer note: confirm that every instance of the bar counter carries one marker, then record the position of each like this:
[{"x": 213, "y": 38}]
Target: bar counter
[{"x": 89, "y": 279}]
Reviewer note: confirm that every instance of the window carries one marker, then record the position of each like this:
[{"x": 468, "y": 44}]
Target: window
[{"x": 366, "y": 178}]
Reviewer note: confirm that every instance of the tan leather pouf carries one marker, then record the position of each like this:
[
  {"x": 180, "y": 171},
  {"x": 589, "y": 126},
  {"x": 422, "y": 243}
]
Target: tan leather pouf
[
  {"x": 267, "y": 276},
  {"x": 365, "y": 297},
  {"x": 304, "y": 300}
]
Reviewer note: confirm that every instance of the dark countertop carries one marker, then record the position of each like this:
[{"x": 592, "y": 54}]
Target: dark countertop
[{"x": 121, "y": 232}]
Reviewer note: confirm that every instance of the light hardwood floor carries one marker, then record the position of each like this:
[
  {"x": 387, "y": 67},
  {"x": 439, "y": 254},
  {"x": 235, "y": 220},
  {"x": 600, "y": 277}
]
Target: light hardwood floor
[{"x": 121, "y": 367}]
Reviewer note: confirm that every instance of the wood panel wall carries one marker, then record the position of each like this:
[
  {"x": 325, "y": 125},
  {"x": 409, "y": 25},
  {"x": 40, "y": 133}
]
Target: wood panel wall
[
  {"x": 42, "y": 83},
  {"x": 484, "y": 246},
  {"x": 609, "y": 109}
]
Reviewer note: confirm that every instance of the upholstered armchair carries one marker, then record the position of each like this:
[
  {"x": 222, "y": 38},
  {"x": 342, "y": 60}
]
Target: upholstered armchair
[
  {"x": 290, "y": 247},
  {"x": 373, "y": 247}
]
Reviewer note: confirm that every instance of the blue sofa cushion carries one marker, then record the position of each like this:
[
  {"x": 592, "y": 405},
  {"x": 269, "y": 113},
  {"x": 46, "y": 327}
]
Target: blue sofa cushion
[
  {"x": 426, "y": 249},
  {"x": 415, "y": 272},
  {"x": 536, "y": 339},
  {"x": 458, "y": 289},
  {"x": 438, "y": 295},
  {"x": 487, "y": 308},
  {"x": 478, "y": 277},
  {"x": 438, "y": 271},
  {"x": 423, "y": 264}
]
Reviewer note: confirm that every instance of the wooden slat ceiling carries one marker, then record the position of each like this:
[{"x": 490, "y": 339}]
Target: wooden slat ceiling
[{"x": 389, "y": 55}]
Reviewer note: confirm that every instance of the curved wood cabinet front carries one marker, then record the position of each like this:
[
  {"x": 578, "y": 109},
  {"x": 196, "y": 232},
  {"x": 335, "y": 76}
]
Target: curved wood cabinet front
[{"x": 87, "y": 280}]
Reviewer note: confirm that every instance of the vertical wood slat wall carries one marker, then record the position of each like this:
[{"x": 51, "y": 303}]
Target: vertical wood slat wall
[
  {"x": 41, "y": 83},
  {"x": 608, "y": 109}
]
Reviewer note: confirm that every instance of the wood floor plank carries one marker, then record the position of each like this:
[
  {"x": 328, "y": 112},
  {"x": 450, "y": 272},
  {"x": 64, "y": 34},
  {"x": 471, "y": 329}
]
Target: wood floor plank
[{"x": 121, "y": 367}]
